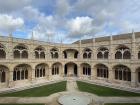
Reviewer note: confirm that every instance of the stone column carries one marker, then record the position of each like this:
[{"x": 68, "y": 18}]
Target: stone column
[
  {"x": 133, "y": 79},
  {"x": 94, "y": 73},
  {"x": 111, "y": 56},
  {"x": 9, "y": 52},
  {"x": 31, "y": 53},
  {"x": 50, "y": 73},
  {"x": 79, "y": 71},
  {"x": 133, "y": 45},
  {"x": 11, "y": 82},
  {"x": 33, "y": 75},
  {"x": 110, "y": 74},
  {"x": 62, "y": 71},
  {"x": 94, "y": 55},
  {"x": 80, "y": 52}
]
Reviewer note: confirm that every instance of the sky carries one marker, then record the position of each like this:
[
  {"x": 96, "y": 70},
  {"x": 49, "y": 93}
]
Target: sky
[{"x": 68, "y": 20}]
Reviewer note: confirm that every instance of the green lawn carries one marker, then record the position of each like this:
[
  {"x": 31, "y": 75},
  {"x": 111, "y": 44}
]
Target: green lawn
[
  {"x": 21, "y": 104},
  {"x": 38, "y": 91},
  {"x": 103, "y": 91},
  {"x": 122, "y": 104}
]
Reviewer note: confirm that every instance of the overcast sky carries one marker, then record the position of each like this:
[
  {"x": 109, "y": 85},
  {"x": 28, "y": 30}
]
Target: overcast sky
[{"x": 68, "y": 20}]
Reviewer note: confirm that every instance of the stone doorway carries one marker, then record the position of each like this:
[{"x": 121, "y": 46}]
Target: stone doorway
[{"x": 70, "y": 70}]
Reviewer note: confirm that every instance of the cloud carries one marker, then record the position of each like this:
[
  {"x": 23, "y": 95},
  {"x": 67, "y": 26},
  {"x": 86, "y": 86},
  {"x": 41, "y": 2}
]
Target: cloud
[
  {"x": 74, "y": 18},
  {"x": 12, "y": 5},
  {"x": 45, "y": 25},
  {"x": 110, "y": 16},
  {"x": 9, "y": 24},
  {"x": 62, "y": 7},
  {"x": 80, "y": 26}
]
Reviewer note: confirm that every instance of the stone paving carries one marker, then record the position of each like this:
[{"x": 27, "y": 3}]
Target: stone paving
[{"x": 71, "y": 89}]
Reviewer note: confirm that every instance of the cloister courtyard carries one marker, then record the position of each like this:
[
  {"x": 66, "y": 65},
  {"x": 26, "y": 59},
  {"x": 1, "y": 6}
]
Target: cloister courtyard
[{"x": 51, "y": 93}]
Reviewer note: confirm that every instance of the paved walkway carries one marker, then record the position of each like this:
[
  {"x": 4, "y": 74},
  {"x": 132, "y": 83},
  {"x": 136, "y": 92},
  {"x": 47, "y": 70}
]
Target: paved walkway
[
  {"x": 71, "y": 89},
  {"x": 72, "y": 85}
]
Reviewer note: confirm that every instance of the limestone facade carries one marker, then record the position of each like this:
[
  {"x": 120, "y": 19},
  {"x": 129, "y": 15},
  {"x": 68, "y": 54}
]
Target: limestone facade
[{"x": 113, "y": 59}]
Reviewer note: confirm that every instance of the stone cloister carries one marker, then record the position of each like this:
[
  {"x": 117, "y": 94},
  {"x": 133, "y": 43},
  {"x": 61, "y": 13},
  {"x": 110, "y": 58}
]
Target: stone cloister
[{"x": 114, "y": 59}]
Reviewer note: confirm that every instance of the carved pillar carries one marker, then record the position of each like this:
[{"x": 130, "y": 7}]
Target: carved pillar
[
  {"x": 80, "y": 52},
  {"x": 9, "y": 53},
  {"x": 133, "y": 45},
  {"x": 11, "y": 82},
  {"x": 62, "y": 71},
  {"x": 33, "y": 74},
  {"x": 94, "y": 55},
  {"x": 110, "y": 74},
  {"x": 133, "y": 79},
  {"x": 50, "y": 73},
  {"x": 94, "y": 73},
  {"x": 111, "y": 56},
  {"x": 79, "y": 71}
]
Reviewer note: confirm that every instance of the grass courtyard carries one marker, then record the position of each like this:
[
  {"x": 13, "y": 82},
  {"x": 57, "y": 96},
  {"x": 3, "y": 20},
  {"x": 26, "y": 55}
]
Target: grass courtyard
[
  {"x": 41, "y": 91},
  {"x": 123, "y": 104},
  {"x": 22, "y": 104},
  {"x": 104, "y": 91}
]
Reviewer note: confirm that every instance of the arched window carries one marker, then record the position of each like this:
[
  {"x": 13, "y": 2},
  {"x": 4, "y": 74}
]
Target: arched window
[
  {"x": 21, "y": 72},
  {"x": 55, "y": 69},
  {"x": 122, "y": 52},
  {"x": 40, "y": 53},
  {"x": 102, "y": 53},
  {"x": 65, "y": 54},
  {"x": 86, "y": 69},
  {"x": 20, "y": 51},
  {"x": 87, "y": 53},
  {"x": 54, "y": 53},
  {"x": 122, "y": 73},
  {"x": 3, "y": 73},
  {"x": 139, "y": 55},
  {"x": 138, "y": 74},
  {"x": 70, "y": 53},
  {"x": 40, "y": 70},
  {"x": 2, "y": 52},
  {"x": 102, "y": 71},
  {"x": 76, "y": 54}
]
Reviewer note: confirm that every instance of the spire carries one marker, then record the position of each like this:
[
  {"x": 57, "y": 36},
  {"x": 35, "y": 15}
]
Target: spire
[
  {"x": 111, "y": 38},
  {"x": 10, "y": 35},
  {"x": 133, "y": 35},
  {"x": 32, "y": 37},
  {"x": 80, "y": 41}
]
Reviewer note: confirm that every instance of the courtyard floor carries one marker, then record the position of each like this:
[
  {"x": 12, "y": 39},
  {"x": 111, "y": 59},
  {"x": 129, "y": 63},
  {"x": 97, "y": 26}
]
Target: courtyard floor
[{"x": 71, "y": 89}]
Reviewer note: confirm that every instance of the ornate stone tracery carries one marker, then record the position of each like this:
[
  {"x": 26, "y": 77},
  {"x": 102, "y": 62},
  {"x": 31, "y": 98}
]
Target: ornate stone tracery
[{"x": 114, "y": 59}]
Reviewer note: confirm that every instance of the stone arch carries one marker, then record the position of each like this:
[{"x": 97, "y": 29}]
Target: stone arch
[
  {"x": 122, "y": 52},
  {"x": 41, "y": 70},
  {"x": 72, "y": 53},
  {"x": 122, "y": 72},
  {"x": 138, "y": 76},
  {"x": 39, "y": 52},
  {"x": 138, "y": 54},
  {"x": 86, "y": 69},
  {"x": 87, "y": 53},
  {"x": 54, "y": 53},
  {"x": 20, "y": 51},
  {"x": 101, "y": 70},
  {"x": 2, "y": 51},
  {"x": 4, "y": 71},
  {"x": 22, "y": 72},
  {"x": 56, "y": 68},
  {"x": 70, "y": 69},
  {"x": 103, "y": 53}
]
